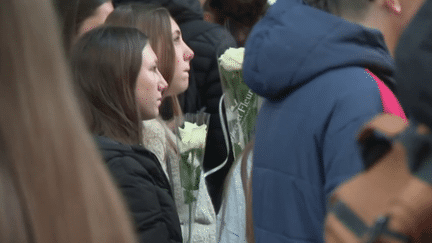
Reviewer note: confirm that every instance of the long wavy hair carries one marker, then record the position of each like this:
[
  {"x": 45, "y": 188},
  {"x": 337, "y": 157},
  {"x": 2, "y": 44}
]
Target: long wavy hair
[
  {"x": 106, "y": 62},
  {"x": 154, "y": 21},
  {"x": 53, "y": 184}
]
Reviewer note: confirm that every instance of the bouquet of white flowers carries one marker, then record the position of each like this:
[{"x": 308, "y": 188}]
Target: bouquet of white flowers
[
  {"x": 241, "y": 103},
  {"x": 191, "y": 140}
]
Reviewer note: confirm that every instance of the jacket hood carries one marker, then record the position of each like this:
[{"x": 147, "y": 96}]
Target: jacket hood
[
  {"x": 294, "y": 43},
  {"x": 181, "y": 10}
]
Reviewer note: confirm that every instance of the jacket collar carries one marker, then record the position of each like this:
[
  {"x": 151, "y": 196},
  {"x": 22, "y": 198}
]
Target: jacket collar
[{"x": 106, "y": 143}]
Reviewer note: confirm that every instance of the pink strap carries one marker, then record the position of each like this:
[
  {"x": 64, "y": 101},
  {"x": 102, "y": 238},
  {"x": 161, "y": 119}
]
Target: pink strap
[{"x": 390, "y": 103}]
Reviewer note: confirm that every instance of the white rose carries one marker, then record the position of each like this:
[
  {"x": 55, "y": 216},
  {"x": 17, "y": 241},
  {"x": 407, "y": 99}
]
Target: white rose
[
  {"x": 271, "y": 2},
  {"x": 192, "y": 136},
  {"x": 232, "y": 59}
]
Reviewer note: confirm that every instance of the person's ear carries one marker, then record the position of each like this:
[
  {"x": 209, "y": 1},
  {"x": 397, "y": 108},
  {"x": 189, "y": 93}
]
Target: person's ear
[
  {"x": 209, "y": 17},
  {"x": 393, "y": 5}
]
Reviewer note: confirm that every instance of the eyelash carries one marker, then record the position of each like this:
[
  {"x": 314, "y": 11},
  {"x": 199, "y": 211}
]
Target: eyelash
[
  {"x": 177, "y": 39},
  {"x": 154, "y": 69}
]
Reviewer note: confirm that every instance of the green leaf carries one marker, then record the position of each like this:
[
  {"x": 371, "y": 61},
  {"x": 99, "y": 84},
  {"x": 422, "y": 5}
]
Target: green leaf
[
  {"x": 184, "y": 156},
  {"x": 237, "y": 151},
  {"x": 199, "y": 153},
  {"x": 189, "y": 197},
  {"x": 186, "y": 172}
]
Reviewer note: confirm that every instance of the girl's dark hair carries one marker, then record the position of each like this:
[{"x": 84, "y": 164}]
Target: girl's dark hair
[
  {"x": 106, "y": 62},
  {"x": 86, "y": 8},
  {"x": 238, "y": 16},
  {"x": 245, "y": 12}
]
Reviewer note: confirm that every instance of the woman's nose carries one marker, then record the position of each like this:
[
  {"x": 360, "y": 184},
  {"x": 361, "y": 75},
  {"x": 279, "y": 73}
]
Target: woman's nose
[
  {"x": 188, "y": 54},
  {"x": 163, "y": 83}
]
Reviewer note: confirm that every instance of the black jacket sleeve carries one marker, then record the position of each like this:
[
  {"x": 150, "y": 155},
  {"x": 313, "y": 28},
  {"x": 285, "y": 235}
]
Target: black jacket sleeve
[{"x": 147, "y": 201}]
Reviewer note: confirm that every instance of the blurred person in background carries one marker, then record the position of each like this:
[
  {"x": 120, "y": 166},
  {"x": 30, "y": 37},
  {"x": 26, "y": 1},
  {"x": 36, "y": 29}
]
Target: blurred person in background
[
  {"x": 208, "y": 15},
  {"x": 159, "y": 135},
  {"x": 53, "y": 184},
  {"x": 206, "y": 40},
  {"x": 80, "y": 16},
  {"x": 391, "y": 199},
  {"x": 238, "y": 16},
  {"x": 119, "y": 86},
  {"x": 323, "y": 76}
]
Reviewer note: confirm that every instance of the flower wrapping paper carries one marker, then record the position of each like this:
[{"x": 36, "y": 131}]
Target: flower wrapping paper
[
  {"x": 241, "y": 103},
  {"x": 191, "y": 140}
]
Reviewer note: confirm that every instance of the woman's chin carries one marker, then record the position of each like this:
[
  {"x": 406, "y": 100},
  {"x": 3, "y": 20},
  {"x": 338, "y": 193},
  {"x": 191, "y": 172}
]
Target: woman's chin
[{"x": 183, "y": 89}]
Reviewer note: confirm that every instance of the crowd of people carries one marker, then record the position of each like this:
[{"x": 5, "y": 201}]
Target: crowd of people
[{"x": 92, "y": 93}]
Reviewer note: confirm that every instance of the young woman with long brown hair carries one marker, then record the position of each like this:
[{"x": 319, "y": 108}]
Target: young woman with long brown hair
[
  {"x": 120, "y": 86},
  {"x": 53, "y": 184},
  {"x": 159, "y": 134}
]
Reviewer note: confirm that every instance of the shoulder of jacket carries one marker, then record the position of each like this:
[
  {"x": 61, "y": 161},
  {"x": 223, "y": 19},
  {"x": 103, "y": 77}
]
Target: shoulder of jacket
[
  {"x": 353, "y": 81},
  {"x": 141, "y": 156},
  {"x": 121, "y": 156},
  {"x": 342, "y": 73}
]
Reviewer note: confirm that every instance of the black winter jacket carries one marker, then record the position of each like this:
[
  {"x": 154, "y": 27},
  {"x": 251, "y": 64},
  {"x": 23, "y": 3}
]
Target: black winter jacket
[
  {"x": 146, "y": 189},
  {"x": 206, "y": 40}
]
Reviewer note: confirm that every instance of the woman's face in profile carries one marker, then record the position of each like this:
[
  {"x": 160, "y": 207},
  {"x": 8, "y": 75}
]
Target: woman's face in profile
[
  {"x": 183, "y": 56},
  {"x": 150, "y": 85},
  {"x": 97, "y": 19}
]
